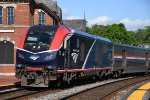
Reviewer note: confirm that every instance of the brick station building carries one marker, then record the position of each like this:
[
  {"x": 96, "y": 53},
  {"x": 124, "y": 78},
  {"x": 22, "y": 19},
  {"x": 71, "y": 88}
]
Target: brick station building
[{"x": 16, "y": 16}]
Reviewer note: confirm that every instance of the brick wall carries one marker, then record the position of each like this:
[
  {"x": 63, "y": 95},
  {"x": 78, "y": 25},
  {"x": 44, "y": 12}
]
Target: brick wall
[
  {"x": 22, "y": 14},
  {"x": 23, "y": 19}
]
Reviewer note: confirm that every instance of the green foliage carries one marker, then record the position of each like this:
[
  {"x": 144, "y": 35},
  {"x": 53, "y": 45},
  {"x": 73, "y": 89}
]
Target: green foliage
[
  {"x": 143, "y": 35},
  {"x": 117, "y": 33}
]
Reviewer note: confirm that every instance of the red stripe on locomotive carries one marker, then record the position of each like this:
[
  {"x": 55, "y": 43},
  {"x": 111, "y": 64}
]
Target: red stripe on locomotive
[
  {"x": 60, "y": 35},
  {"x": 22, "y": 39},
  {"x": 83, "y": 70},
  {"x": 34, "y": 69}
]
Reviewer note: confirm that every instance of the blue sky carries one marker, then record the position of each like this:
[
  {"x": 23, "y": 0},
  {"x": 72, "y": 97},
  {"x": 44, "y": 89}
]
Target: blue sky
[{"x": 133, "y": 13}]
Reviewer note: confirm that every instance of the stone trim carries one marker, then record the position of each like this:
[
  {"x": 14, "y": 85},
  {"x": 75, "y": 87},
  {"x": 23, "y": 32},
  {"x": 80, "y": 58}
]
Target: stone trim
[
  {"x": 14, "y": 26},
  {"x": 7, "y": 74},
  {"x": 7, "y": 31},
  {"x": 7, "y": 65},
  {"x": 8, "y": 5},
  {"x": 7, "y": 39},
  {"x": 15, "y": 47}
]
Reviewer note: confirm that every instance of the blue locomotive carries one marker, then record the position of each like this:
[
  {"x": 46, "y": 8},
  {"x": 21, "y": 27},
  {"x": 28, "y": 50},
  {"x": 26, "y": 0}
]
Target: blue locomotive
[{"x": 56, "y": 53}]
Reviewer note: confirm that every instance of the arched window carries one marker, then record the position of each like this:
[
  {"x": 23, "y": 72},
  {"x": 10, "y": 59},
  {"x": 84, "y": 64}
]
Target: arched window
[
  {"x": 41, "y": 18},
  {"x": 10, "y": 15},
  {"x": 6, "y": 52},
  {"x": 1, "y": 15}
]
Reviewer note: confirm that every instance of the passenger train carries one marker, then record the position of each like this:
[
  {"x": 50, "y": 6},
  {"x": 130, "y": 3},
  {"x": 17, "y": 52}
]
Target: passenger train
[{"x": 57, "y": 53}]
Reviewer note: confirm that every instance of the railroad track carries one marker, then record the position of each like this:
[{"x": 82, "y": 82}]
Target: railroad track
[
  {"x": 105, "y": 91},
  {"x": 17, "y": 84},
  {"x": 100, "y": 90},
  {"x": 14, "y": 93},
  {"x": 24, "y": 93}
]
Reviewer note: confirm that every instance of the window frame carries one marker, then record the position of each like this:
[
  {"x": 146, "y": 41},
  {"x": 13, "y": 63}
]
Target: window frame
[
  {"x": 42, "y": 18},
  {"x": 1, "y": 16},
  {"x": 13, "y": 15}
]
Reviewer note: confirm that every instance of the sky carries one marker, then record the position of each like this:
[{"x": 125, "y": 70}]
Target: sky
[{"x": 133, "y": 14}]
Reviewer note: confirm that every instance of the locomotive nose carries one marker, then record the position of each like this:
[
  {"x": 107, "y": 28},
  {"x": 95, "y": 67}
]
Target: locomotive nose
[{"x": 40, "y": 57}]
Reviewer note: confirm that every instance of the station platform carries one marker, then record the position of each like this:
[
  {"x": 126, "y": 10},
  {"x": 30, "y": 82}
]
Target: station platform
[
  {"x": 8, "y": 80},
  {"x": 139, "y": 92}
]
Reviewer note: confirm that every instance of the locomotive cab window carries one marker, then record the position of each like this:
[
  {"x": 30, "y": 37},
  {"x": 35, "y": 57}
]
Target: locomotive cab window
[
  {"x": 39, "y": 40},
  {"x": 39, "y": 37}
]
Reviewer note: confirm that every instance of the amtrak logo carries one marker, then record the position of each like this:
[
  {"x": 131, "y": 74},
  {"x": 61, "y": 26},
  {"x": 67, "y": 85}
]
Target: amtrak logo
[
  {"x": 74, "y": 56},
  {"x": 34, "y": 57}
]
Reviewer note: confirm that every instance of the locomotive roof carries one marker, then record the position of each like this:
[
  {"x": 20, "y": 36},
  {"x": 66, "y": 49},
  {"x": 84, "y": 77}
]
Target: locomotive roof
[
  {"x": 41, "y": 27},
  {"x": 91, "y": 36},
  {"x": 74, "y": 31}
]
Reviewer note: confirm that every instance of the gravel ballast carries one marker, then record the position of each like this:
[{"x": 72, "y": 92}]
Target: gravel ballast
[{"x": 69, "y": 92}]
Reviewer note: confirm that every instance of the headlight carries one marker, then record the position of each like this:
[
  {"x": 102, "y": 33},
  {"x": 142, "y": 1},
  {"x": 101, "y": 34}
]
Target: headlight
[
  {"x": 50, "y": 67},
  {"x": 21, "y": 56},
  {"x": 18, "y": 65}
]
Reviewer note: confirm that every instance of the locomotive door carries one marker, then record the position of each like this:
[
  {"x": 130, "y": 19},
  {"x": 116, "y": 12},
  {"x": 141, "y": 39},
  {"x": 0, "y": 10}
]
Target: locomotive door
[
  {"x": 72, "y": 52},
  {"x": 67, "y": 52}
]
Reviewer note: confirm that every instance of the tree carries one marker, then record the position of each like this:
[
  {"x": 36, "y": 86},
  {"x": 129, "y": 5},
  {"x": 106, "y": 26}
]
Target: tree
[
  {"x": 143, "y": 35},
  {"x": 117, "y": 33}
]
